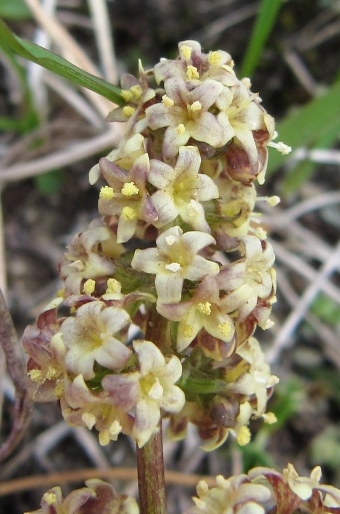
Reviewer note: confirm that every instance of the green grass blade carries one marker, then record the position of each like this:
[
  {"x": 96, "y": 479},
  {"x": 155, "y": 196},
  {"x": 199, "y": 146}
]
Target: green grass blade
[
  {"x": 307, "y": 126},
  {"x": 264, "y": 22},
  {"x": 304, "y": 169},
  {"x": 58, "y": 65},
  {"x": 14, "y": 10}
]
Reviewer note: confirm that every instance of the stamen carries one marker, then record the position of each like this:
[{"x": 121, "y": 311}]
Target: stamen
[
  {"x": 128, "y": 111},
  {"x": 192, "y": 72},
  {"x": 186, "y": 52},
  {"x": 188, "y": 331},
  {"x": 89, "y": 286},
  {"x": 129, "y": 189},
  {"x": 106, "y": 193},
  {"x": 280, "y": 147},
  {"x": 196, "y": 106},
  {"x": 113, "y": 286},
  {"x": 225, "y": 329},
  {"x": 204, "y": 308},
  {"x": 214, "y": 58},
  {"x": 271, "y": 200},
  {"x": 129, "y": 213},
  {"x": 168, "y": 102}
]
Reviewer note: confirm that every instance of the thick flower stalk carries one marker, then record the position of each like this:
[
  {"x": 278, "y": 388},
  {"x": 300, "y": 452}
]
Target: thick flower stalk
[{"x": 177, "y": 257}]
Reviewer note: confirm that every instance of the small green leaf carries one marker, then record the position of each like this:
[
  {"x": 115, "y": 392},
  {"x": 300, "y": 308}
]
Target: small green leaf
[
  {"x": 264, "y": 22},
  {"x": 14, "y": 10},
  {"x": 58, "y": 65}
]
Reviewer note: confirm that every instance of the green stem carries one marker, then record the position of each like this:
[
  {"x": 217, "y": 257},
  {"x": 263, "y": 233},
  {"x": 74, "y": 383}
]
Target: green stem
[{"x": 150, "y": 463}]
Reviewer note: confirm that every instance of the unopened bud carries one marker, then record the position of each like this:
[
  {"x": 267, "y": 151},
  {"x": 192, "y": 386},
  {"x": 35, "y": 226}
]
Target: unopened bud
[{"x": 224, "y": 411}]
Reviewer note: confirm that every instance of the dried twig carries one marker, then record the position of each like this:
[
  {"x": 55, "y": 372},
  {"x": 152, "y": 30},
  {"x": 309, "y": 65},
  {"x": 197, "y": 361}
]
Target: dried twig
[
  {"x": 21, "y": 484},
  {"x": 70, "y": 50},
  {"x": 16, "y": 369},
  {"x": 302, "y": 306},
  {"x": 74, "y": 153},
  {"x": 103, "y": 33}
]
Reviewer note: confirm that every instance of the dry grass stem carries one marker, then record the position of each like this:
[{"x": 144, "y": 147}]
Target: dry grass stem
[
  {"x": 103, "y": 34},
  {"x": 302, "y": 306}
]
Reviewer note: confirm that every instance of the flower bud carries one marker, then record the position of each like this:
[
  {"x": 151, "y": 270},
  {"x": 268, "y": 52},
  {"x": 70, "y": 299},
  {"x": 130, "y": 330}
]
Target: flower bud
[{"x": 224, "y": 410}]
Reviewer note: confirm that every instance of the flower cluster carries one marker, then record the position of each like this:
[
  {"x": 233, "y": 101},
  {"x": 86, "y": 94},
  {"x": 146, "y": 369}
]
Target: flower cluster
[
  {"x": 261, "y": 491},
  {"x": 264, "y": 490},
  {"x": 163, "y": 293},
  {"x": 98, "y": 496}
]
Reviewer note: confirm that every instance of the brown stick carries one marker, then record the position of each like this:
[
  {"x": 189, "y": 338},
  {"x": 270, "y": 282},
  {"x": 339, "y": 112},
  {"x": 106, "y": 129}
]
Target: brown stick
[{"x": 16, "y": 368}]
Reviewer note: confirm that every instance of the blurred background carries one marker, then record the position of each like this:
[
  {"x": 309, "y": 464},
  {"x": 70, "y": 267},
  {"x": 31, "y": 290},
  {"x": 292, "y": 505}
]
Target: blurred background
[{"x": 52, "y": 133}]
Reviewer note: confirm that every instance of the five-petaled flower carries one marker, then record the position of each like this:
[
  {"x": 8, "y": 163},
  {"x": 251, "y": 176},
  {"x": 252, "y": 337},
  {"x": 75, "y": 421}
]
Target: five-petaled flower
[
  {"x": 250, "y": 279},
  {"x": 155, "y": 380},
  {"x": 91, "y": 337},
  {"x": 185, "y": 114},
  {"x": 181, "y": 189},
  {"x": 175, "y": 259},
  {"x": 202, "y": 311},
  {"x": 126, "y": 195}
]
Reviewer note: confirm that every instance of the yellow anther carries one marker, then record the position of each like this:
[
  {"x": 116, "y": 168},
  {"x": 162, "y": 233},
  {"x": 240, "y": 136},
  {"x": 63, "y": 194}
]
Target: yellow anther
[
  {"x": 168, "y": 102},
  {"x": 115, "y": 429},
  {"x": 129, "y": 213},
  {"x": 204, "y": 308},
  {"x": 243, "y": 436},
  {"x": 128, "y": 111},
  {"x": 214, "y": 58},
  {"x": 59, "y": 390},
  {"x": 269, "y": 418},
  {"x": 104, "y": 437},
  {"x": 130, "y": 189},
  {"x": 196, "y": 106},
  {"x": 136, "y": 92},
  {"x": 89, "y": 419},
  {"x": 106, "y": 193},
  {"x": 127, "y": 95},
  {"x": 186, "y": 52},
  {"x": 61, "y": 293},
  {"x": 89, "y": 286},
  {"x": 225, "y": 329},
  {"x": 273, "y": 200},
  {"x": 35, "y": 375},
  {"x": 180, "y": 128},
  {"x": 188, "y": 331},
  {"x": 192, "y": 72},
  {"x": 52, "y": 373},
  {"x": 113, "y": 286},
  {"x": 50, "y": 498}
]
